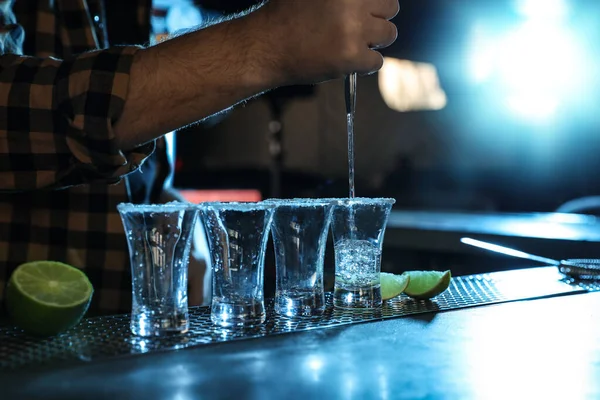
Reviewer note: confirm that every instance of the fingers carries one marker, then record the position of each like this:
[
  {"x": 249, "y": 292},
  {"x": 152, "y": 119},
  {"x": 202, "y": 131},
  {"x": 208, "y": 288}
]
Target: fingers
[
  {"x": 379, "y": 33},
  {"x": 382, "y": 34},
  {"x": 373, "y": 61},
  {"x": 385, "y": 9},
  {"x": 331, "y": 39}
]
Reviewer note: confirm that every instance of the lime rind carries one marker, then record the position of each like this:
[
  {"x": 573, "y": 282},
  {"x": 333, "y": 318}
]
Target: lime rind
[
  {"x": 32, "y": 279},
  {"x": 425, "y": 285}
]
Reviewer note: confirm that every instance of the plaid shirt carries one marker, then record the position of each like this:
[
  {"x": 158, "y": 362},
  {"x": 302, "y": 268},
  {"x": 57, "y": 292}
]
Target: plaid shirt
[{"x": 61, "y": 172}]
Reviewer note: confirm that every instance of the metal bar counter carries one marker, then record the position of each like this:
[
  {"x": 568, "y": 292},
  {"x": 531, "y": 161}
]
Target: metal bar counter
[
  {"x": 431, "y": 240},
  {"x": 547, "y": 348},
  {"x": 554, "y": 234}
]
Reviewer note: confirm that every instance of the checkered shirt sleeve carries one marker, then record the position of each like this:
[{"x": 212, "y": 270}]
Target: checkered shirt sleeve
[{"x": 57, "y": 115}]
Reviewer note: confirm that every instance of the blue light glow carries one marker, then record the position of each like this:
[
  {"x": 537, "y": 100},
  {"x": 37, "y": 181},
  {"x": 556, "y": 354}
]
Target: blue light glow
[
  {"x": 543, "y": 9},
  {"x": 538, "y": 65}
]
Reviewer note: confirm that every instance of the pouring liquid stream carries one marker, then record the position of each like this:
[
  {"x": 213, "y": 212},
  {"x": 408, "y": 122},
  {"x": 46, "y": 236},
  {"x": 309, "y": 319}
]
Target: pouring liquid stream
[
  {"x": 350, "y": 86},
  {"x": 350, "y": 96}
]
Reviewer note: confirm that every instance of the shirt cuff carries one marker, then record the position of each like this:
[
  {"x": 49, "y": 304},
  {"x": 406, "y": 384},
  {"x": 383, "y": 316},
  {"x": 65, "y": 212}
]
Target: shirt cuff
[{"x": 90, "y": 92}]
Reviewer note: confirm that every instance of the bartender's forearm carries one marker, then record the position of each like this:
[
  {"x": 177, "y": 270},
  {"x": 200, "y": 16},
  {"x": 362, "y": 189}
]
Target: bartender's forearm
[{"x": 191, "y": 77}]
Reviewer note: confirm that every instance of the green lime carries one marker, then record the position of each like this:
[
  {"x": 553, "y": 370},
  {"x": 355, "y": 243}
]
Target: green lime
[
  {"x": 424, "y": 285},
  {"x": 47, "y": 297},
  {"x": 393, "y": 285}
]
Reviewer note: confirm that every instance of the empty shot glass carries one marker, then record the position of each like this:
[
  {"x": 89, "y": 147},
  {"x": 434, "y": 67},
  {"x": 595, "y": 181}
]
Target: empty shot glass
[
  {"x": 358, "y": 227},
  {"x": 159, "y": 239},
  {"x": 299, "y": 231},
  {"x": 237, "y": 235}
]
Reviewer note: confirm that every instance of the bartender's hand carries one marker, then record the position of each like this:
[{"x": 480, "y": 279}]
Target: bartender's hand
[{"x": 316, "y": 40}]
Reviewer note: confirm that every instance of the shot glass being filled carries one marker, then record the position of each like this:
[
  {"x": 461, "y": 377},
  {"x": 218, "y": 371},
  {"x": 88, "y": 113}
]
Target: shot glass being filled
[{"x": 358, "y": 227}]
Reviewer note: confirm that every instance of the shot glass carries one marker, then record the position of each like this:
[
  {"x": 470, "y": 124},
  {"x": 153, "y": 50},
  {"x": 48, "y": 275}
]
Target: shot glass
[
  {"x": 299, "y": 231},
  {"x": 358, "y": 227},
  {"x": 237, "y": 235},
  {"x": 159, "y": 239}
]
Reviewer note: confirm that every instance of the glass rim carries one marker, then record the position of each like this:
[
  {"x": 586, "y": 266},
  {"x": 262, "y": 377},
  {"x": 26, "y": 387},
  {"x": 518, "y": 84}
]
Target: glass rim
[
  {"x": 155, "y": 207},
  {"x": 236, "y": 205},
  {"x": 366, "y": 200},
  {"x": 300, "y": 202}
]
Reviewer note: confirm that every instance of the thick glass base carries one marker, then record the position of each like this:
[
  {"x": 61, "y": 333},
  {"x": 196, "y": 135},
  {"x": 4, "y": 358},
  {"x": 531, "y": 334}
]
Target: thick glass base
[
  {"x": 237, "y": 314},
  {"x": 148, "y": 323},
  {"x": 299, "y": 303},
  {"x": 357, "y": 297}
]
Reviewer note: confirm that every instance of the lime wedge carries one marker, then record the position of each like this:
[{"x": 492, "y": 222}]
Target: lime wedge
[
  {"x": 425, "y": 285},
  {"x": 393, "y": 285},
  {"x": 47, "y": 297}
]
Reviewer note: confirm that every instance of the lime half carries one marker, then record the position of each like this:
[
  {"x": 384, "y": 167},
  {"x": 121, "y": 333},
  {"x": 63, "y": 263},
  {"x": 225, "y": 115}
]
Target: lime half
[
  {"x": 393, "y": 285},
  {"x": 425, "y": 285},
  {"x": 47, "y": 297}
]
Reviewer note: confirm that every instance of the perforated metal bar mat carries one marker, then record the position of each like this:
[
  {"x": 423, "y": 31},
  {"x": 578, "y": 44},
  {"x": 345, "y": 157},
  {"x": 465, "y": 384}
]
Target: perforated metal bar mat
[
  {"x": 589, "y": 286},
  {"x": 104, "y": 337}
]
